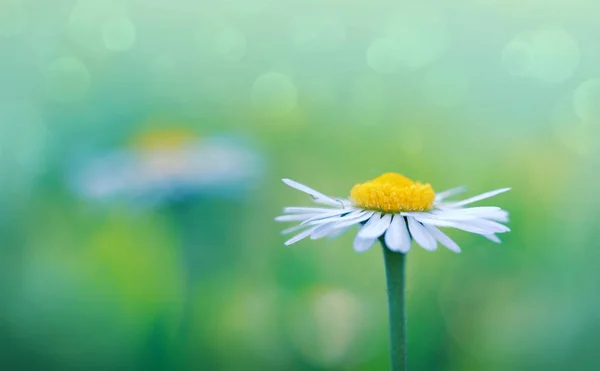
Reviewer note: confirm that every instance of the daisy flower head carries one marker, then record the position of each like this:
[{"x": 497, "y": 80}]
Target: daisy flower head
[
  {"x": 396, "y": 210},
  {"x": 167, "y": 166}
]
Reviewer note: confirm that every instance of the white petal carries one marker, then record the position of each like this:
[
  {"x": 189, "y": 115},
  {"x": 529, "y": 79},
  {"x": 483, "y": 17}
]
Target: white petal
[
  {"x": 492, "y": 237},
  {"x": 300, "y": 236},
  {"x": 473, "y": 213},
  {"x": 293, "y": 229},
  {"x": 397, "y": 237},
  {"x": 489, "y": 226},
  {"x": 465, "y": 213},
  {"x": 376, "y": 226},
  {"x": 344, "y": 202},
  {"x": 317, "y": 196},
  {"x": 307, "y": 210},
  {"x": 449, "y": 193},
  {"x": 363, "y": 244},
  {"x": 442, "y": 238},
  {"x": 332, "y": 218},
  {"x": 421, "y": 235},
  {"x": 332, "y": 214},
  {"x": 294, "y": 217},
  {"x": 451, "y": 215},
  {"x": 323, "y": 230},
  {"x": 374, "y": 219},
  {"x": 327, "y": 228},
  {"x": 336, "y": 233},
  {"x": 480, "y": 197},
  {"x": 449, "y": 224},
  {"x": 479, "y": 210},
  {"x": 356, "y": 220},
  {"x": 499, "y": 216}
]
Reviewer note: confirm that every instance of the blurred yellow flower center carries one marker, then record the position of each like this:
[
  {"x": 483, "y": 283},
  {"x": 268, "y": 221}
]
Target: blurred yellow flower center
[
  {"x": 392, "y": 193},
  {"x": 163, "y": 139}
]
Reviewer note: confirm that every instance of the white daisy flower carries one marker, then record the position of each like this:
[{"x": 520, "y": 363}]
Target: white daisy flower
[
  {"x": 396, "y": 210},
  {"x": 165, "y": 167}
]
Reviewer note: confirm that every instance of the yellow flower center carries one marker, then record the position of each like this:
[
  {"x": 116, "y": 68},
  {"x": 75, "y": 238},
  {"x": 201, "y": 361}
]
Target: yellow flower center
[{"x": 392, "y": 193}]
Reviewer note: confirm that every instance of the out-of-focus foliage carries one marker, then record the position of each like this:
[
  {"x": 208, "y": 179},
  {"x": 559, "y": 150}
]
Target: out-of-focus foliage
[{"x": 125, "y": 246}]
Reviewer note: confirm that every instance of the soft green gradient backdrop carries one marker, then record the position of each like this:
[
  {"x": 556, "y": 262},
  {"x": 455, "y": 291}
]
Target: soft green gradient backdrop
[{"x": 485, "y": 93}]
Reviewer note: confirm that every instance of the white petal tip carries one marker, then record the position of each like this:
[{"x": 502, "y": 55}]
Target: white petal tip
[
  {"x": 290, "y": 242},
  {"x": 503, "y": 230},
  {"x": 363, "y": 244},
  {"x": 291, "y": 183},
  {"x": 493, "y": 238}
]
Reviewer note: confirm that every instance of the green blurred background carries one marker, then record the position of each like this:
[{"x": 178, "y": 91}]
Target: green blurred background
[{"x": 122, "y": 250}]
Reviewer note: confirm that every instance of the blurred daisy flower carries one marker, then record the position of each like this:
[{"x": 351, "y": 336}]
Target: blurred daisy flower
[
  {"x": 397, "y": 210},
  {"x": 169, "y": 165}
]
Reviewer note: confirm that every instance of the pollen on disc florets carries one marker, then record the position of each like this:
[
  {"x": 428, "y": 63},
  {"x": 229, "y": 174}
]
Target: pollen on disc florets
[{"x": 392, "y": 193}]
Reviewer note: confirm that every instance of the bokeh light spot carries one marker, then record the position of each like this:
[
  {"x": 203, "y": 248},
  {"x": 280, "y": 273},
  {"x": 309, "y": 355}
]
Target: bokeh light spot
[
  {"x": 97, "y": 26},
  {"x": 274, "y": 94},
  {"x": 230, "y": 44},
  {"x": 420, "y": 33},
  {"x": 67, "y": 79},
  {"x": 517, "y": 58},
  {"x": 13, "y": 18},
  {"x": 118, "y": 34},
  {"x": 557, "y": 55},
  {"x": 550, "y": 55},
  {"x": 586, "y": 100}
]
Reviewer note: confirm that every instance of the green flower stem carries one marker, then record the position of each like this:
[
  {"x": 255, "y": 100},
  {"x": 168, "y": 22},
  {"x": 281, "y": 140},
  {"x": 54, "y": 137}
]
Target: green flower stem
[{"x": 395, "y": 277}]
